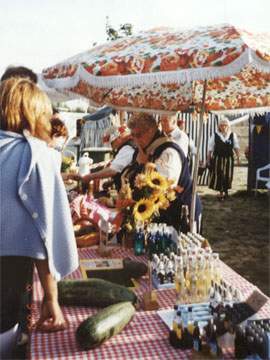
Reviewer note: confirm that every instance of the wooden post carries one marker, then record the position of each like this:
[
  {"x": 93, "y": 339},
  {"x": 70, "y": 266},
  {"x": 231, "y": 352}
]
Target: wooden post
[
  {"x": 122, "y": 117},
  {"x": 197, "y": 159}
]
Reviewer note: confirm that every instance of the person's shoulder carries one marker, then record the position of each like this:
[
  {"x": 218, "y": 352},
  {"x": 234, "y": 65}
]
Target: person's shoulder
[
  {"x": 171, "y": 147},
  {"x": 179, "y": 134},
  {"x": 128, "y": 147},
  {"x": 183, "y": 134}
]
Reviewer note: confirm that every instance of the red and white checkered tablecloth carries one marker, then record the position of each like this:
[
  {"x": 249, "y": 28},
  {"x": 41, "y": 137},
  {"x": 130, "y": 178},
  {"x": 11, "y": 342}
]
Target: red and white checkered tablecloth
[{"x": 145, "y": 337}]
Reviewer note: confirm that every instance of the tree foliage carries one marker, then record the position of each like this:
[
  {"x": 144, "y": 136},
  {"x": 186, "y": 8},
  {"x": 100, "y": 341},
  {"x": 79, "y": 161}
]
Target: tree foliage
[{"x": 113, "y": 34}]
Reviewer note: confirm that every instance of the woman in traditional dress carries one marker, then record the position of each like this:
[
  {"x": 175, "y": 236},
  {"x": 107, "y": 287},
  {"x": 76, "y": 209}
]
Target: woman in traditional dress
[{"x": 222, "y": 146}]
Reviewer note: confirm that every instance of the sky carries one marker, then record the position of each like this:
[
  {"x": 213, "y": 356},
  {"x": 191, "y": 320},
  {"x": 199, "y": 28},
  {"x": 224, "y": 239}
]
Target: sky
[{"x": 41, "y": 33}]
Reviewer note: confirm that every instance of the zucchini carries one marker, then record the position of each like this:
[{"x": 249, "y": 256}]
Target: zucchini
[
  {"x": 100, "y": 327},
  {"x": 93, "y": 292}
]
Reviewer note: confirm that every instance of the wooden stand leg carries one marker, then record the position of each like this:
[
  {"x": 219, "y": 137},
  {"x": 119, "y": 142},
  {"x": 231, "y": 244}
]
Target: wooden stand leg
[
  {"x": 150, "y": 301},
  {"x": 104, "y": 250}
]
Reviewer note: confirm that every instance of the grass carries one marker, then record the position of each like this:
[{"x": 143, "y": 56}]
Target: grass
[{"x": 238, "y": 229}]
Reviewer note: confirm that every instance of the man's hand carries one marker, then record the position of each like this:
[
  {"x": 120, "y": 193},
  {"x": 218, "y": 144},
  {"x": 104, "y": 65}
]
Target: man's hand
[
  {"x": 69, "y": 176},
  {"x": 142, "y": 158}
]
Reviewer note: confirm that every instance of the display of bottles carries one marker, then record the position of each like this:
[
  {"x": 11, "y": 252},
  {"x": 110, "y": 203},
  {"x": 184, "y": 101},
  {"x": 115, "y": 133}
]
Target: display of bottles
[
  {"x": 159, "y": 239},
  {"x": 199, "y": 270},
  {"x": 253, "y": 340}
]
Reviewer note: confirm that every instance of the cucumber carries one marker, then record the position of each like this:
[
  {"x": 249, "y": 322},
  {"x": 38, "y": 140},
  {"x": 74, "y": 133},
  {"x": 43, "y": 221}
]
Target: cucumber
[
  {"x": 93, "y": 292},
  {"x": 100, "y": 327}
]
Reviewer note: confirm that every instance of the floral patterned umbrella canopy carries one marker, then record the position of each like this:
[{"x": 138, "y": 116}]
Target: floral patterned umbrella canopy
[
  {"x": 161, "y": 69},
  {"x": 212, "y": 68}
]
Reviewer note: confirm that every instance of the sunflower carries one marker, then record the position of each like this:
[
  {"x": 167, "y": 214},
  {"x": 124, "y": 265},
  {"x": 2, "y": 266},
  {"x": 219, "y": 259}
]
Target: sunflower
[
  {"x": 156, "y": 181},
  {"x": 143, "y": 210},
  {"x": 160, "y": 201},
  {"x": 170, "y": 194},
  {"x": 140, "y": 181}
]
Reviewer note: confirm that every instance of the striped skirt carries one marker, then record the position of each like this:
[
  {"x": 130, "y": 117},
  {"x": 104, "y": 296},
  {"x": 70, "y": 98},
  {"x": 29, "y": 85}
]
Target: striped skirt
[{"x": 221, "y": 174}]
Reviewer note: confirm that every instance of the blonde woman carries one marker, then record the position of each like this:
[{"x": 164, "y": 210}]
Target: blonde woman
[
  {"x": 36, "y": 225},
  {"x": 222, "y": 146}
]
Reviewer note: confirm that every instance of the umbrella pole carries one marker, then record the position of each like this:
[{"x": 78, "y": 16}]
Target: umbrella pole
[{"x": 196, "y": 165}]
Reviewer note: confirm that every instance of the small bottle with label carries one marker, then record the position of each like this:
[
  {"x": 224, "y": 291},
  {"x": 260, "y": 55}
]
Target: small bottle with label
[
  {"x": 176, "y": 334},
  {"x": 197, "y": 338}
]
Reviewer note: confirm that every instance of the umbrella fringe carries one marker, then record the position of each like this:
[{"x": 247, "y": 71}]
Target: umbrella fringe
[
  {"x": 259, "y": 63},
  {"x": 166, "y": 77},
  {"x": 251, "y": 111}
]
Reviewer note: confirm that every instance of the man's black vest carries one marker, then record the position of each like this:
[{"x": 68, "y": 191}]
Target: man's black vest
[{"x": 184, "y": 181}]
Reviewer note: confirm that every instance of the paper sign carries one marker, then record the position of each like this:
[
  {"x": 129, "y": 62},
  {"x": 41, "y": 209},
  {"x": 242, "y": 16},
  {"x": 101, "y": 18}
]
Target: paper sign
[
  {"x": 101, "y": 264},
  {"x": 256, "y": 300}
]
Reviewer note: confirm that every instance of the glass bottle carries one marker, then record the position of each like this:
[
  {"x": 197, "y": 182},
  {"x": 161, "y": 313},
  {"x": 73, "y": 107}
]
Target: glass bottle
[
  {"x": 240, "y": 346},
  {"x": 201, "y": 282},
  {"x": 139, "y": 241},
  {"x": 216, "y": 268},
  {"x": 180, "y": 282},
  {"x": 91, "y": 189},
  {"x": 184, "y": 222},
  {"x": 251, "y": 345},
  {"x": 188, "y": 275},
  {"x": 190, "y": 321},
  {"x": 178, "y": 328},
  {"x": 207, "y": 274},
  {"x": 174, "y": 333},
  {"x": 214, "y": 348},
  {"x": 197, "y": 340}
]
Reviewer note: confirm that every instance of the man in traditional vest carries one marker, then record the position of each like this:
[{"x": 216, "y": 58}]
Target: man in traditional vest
[{"x": 154, "y": 146}]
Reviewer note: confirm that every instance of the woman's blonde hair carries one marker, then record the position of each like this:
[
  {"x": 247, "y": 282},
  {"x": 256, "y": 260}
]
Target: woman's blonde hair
[
  {"x": 23, "y": 106},
  {"x": 142, "y": 120}
]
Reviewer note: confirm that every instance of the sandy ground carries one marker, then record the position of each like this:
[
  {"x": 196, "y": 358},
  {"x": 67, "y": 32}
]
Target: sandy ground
[{"x": 238, "y": 229}]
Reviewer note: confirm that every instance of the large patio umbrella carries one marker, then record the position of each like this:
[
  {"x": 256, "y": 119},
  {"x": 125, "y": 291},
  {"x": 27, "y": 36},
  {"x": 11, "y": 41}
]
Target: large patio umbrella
[
  {"x": 170, "y": 70},
  {"x": 57, "y": 95}
]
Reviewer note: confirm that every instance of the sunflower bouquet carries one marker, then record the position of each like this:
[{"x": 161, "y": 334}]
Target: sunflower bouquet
[{"x": 151, "y": 193}]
